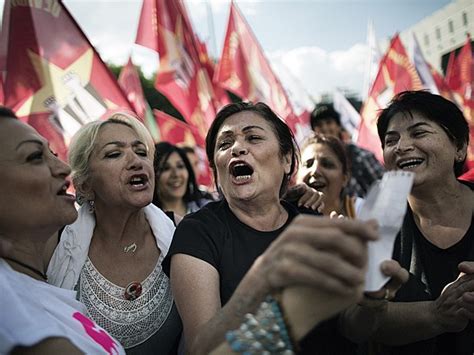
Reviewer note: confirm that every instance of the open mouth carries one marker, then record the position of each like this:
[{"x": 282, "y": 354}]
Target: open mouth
[
  {"x": 138, "y": 180},
  {"x": 317, "y": 184},
  {"x": 63, "y": 190},
  {"x": 241, "y": 171},
  {"x": 407, "y": 164}
]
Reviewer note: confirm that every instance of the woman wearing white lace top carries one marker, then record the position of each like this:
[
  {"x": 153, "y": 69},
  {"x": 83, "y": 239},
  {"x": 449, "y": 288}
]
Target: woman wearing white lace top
[{"x": 112, "y": 254}]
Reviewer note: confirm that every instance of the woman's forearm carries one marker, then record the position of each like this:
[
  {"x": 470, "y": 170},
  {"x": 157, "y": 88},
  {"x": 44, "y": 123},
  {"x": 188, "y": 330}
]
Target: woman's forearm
[{"x": 246, "y": 299}]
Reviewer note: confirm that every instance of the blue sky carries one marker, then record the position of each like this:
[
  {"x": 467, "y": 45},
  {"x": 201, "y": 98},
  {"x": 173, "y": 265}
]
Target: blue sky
[{"x": 322, "y": 43}]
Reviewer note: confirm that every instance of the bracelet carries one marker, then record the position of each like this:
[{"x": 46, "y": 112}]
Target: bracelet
[{"x": 262, "y": 333}]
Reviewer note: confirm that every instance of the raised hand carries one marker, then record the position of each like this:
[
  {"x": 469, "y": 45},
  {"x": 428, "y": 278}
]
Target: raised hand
[
  {"x": 455, "y": 306},
  {"x": 329, "y": 254},
  {"x": 306, "y": 196}
]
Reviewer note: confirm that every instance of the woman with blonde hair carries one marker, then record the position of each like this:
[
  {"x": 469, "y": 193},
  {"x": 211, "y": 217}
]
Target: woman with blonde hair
[{"x": 112, "y": 254}]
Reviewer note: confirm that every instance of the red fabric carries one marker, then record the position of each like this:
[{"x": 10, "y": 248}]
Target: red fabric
[
  {"x": 244, "y": 70},
  {"x": 461, "y": 82},
  {"x": 130, "y": 83},
  {"x": 452, "y": 74},
  {"x": 147, "y": 32},
  {"x": 395, "y": 74},
  {"x": 164, "y": 26},
  {"x": 441, "y": 83},
  {"x": 220, "y": 94},
  {"x": 1, "y": 89},
  {"x": 468, "y": 176},
  {"x": 176, "y": 131},
  {"x": 54, "y": 80}
]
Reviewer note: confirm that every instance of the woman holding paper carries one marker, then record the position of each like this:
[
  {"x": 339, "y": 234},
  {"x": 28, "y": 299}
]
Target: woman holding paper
[
  {"x": 232, "y": 253},
  {"x": 433, "y": 312}
]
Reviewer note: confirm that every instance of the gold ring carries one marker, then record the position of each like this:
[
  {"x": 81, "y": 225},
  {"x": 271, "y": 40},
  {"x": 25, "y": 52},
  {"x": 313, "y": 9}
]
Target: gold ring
[{"x": 387, "y": 294}]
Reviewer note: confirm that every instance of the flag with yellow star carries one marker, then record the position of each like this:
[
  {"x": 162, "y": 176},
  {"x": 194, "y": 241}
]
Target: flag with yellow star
[
  {"x": 55, "y": 80},
  {"x": 244, "y": 70},
  {"x": 164, "y": 26}
]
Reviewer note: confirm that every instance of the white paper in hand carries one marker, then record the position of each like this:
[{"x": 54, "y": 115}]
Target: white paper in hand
[{"x": 386, "y": 202}]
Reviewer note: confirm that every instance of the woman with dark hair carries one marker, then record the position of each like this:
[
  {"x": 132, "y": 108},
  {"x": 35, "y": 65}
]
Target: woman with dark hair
[
  {"x": 433, "y": 312},
  {"x": 325, "y": 167},
  {"x": 37, "y": 317},
  {"x": 176, "y": 188},
  {"x": 228, "y": 256}
]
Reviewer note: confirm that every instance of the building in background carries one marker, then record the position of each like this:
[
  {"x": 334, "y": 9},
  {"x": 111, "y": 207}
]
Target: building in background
[{"x": 443, "y": 31}]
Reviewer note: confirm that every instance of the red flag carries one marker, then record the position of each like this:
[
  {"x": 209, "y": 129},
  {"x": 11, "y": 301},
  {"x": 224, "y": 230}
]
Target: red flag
[
  {"x": 441, "y": 83},
  {"x": 1, "y": 90},
  {"x": 451, "y": 73},
  {"x": 395, "y": 74},
  {"x": 165, "y": 27},
  {"x": 244, "y": 69},
  {"x": 55, "y": 80},
  {"x": 129, "y": 81},
  {"x": 460, "y": 72},
  {"x": 3, "y": 48},
  {"x": 461, "y": 82},
  {"x": 176, "y": 131},
  {"x": 221, "y": 96}
]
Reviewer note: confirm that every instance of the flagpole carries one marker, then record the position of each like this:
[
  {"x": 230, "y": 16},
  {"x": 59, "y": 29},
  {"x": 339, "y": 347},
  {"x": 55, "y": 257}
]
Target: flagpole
[{"x": 212, "y": 32}]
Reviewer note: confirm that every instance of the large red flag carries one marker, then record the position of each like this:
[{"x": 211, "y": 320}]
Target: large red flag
[
  {"x": 244, "y": 70},
  {"x": 395, "y": 74},
  {"x": 55, "y": 80},
  {"x": 129, "y": 81},
  {"x": 165, "y": 27},
  {"x": 461, "y": 82}
]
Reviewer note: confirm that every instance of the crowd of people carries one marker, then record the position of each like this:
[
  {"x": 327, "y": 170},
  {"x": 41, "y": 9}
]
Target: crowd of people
[{"x": 143, "y": 260}]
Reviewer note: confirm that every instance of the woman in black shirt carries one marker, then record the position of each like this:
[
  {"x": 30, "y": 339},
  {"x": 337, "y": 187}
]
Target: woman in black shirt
[{"x": 228, "y": 256}]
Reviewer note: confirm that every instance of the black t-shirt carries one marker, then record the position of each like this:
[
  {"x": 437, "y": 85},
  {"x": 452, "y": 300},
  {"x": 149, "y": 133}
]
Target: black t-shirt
[
  {"x": 441, "y": 265},
  {"x": 215, "y": 235},
  {"x": 443, "y": 269},
  {"x": 431, "y": 269}
]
